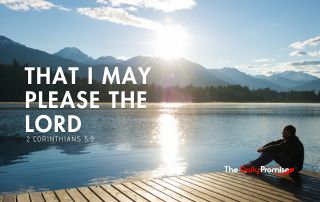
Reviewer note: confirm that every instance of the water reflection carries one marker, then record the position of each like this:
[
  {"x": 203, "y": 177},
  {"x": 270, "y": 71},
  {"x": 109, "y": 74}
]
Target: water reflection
[
  {"x": 168, "y": 135},
  {"x": 15, "y": 149},
  {"x": 182, "y": 142}
]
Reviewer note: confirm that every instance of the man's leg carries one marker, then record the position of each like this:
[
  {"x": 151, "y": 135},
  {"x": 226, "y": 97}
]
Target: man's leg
[
  {"x": 285, "y": 162},
  {"x": 262, "y": 160},
  {"x": 282, "y": 159}
]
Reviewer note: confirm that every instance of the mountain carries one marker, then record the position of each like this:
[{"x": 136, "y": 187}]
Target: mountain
[
  {"x": 311, "y": 85},
  {"x": 6, "y": 41},
  {"x": 234, "y": 76},
  {"x": 295, "y": 76},
  {"x": 77, "y": 55},
  {"x": 182, "y": 72},
  {"x": 290, "y": 79},
  {"x": 165, "y": 72},
  {"x": 284, "y": 81},
  {"x": 107, "y": 60},
  {"x": 10, "y": 50}
]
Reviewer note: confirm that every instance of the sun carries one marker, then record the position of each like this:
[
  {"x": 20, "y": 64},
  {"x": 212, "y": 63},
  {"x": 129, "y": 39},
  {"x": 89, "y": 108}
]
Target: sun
[{"x": 171, "y": 41}]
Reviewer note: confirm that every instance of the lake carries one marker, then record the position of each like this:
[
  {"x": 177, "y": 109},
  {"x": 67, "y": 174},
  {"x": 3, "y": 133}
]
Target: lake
[{"x": 162, "y": 140}]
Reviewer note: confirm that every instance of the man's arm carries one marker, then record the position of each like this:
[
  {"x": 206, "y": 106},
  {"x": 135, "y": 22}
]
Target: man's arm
[
  {"x": 269, "y": 144},
  {"x": 273, "y": 143},
  {"x": 275, "y": 147}
]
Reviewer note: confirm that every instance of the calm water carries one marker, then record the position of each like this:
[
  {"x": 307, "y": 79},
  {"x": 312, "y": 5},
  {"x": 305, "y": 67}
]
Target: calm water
[{"x": 164, "y": 139}]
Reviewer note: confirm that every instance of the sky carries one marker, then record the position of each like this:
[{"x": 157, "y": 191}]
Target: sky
[{"x": 258, "y": 37}]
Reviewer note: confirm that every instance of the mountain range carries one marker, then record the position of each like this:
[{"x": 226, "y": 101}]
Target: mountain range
[
  {"x": 77, "y": 55},
  {"x": 164, "y": 72}
]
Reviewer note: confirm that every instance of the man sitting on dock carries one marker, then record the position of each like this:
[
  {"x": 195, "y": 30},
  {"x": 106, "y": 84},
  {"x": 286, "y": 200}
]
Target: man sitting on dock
[{"x": 287, "y": 152}]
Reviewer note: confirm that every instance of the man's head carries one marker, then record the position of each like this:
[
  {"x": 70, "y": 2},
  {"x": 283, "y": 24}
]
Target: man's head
[{"x": 288, "y": 131}]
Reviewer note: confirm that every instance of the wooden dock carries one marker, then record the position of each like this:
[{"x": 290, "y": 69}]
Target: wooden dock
[{"x": 201, "y": 187}]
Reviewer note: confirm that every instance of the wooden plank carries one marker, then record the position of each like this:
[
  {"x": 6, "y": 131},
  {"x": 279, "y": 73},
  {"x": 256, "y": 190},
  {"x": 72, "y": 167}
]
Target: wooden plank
[
  {"x": 50, "y": 196},
  {"x": 89, "y": 195},
  {"x": 311, "y": 178},
  {"x": 190, "y": 192},
  {"x": 36, "y": 197},
  {"x": 154, "y": 191},
  {"x": 238, "y": 194},
  {"x": 239, "y": 186},
  {"x": 201, "y": 187},
  {"x": 304, "y": 188},
  {"x": 23, "y": 197},
  {"x": 284, "y": 192},
  {"x": 257, "y": 181},
  {"x": 262, "y": 194},
  {"x": 63, "y": 196},
  {"x": 102, "y": 194},
  {"x": 310, "y": 173},
  {"x": 76, "y": 195},
  {"x": 129, "y": 193},
  {"x": 306, "y": 185},
  {"x": 230, "y": 183},
  {"x": 313, "y": 181},
  {"x": 141, "y": 192},
  {"x": 9, "y": 198},
  {"x": 308, "y": 182},
  {"x": 116, "y": 193},
  {"x": 216, "y": 189},
  {"x": 217, "y": 194},
  {"x": 307, "y": 179},
  {"x": 167, "y": 191}
]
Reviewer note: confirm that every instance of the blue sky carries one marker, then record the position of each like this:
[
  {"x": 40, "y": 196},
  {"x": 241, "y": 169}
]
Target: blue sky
[{"x": 259, "y": 37}]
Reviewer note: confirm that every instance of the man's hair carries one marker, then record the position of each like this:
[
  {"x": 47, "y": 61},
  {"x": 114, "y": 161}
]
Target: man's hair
[{"x": 291, "y": 129}]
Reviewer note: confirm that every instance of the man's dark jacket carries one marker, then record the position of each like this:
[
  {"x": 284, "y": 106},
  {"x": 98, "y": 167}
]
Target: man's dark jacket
[{"x": 291, "y": 146}]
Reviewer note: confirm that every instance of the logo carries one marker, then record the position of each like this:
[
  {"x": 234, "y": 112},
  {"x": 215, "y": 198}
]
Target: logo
[{"x": 279, "y": 171}]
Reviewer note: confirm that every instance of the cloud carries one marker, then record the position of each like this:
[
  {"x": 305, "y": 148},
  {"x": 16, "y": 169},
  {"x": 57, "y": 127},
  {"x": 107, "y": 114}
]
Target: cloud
[
  {"x": 119, "y": 16},
  {"x": 311, "y": 67},
  {"x": 302, "y": 44},
  {"x": 314, "y": 53},
  {"x": 263, "y": 60},
  {"x": 298, "y": 53},
  {"x": 131, "y": 8},
  {"x": 162, "y": 5},
  {"x": 119, "y": 11},
  {"x": 305, "y": 63},
  {"x": 305, "y": 53},
  {"x": 267, "y": 66},
  {"x": 25, "y": 5},
  {"x": 102, "y": 1}
]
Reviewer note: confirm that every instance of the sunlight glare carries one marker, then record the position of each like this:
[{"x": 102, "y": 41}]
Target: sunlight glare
[
  {"x": 171, "y": 41},
  {"x": 169, "y": 138}
]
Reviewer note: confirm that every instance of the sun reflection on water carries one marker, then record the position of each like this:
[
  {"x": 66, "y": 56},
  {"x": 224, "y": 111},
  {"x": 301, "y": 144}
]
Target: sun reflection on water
[{"x": 169, "y": 137}]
